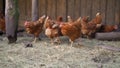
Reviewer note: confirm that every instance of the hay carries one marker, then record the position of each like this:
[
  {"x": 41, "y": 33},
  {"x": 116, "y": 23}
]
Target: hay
[{"x": 86, "y": 54}]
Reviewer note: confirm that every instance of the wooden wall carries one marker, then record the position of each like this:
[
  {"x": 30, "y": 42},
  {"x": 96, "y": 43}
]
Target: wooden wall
[{"x": 110, "y": 9}]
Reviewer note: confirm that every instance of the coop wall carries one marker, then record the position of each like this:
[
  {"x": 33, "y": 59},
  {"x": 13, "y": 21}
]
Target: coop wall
[{"x": 110, "y": 9}]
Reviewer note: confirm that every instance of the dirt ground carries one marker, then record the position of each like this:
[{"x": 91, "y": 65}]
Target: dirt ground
[{"x": 85, "y": 53}]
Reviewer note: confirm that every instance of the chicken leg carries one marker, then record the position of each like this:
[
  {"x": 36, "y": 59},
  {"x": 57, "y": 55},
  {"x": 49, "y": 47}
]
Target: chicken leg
[
  {"x": 71, "y": 42},
  {"x": 52, "y": 42},
  {"x": 35, "y": 39}
]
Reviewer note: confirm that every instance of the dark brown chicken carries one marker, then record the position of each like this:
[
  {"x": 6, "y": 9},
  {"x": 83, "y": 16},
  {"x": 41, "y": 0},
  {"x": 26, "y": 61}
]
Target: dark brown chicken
[
  {"x": 35, "y": 28},
  {"x": 108, "y": 28}
]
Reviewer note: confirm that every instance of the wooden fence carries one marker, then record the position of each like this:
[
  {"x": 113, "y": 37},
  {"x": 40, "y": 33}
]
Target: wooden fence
[{"x": 110, "y": 9}]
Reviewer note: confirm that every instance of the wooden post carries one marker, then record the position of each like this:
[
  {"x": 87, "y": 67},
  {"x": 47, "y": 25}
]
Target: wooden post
[
  {"x": 11, "y": 18},
  {"x": 35, "y": 14}
]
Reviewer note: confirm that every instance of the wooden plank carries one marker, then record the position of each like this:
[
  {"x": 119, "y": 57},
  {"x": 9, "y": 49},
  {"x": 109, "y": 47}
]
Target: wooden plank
[
  {"x": 25, "y": 9},
  {"x": 117, "y": 12},
  {"x": 61, "y": 8},
  {"x": 88, "y": 8},
  {"x": 95, "y": 7},
  {"x": 1, "y": 4},
  {"x": 42, "y": 7},
  {"x": 110, "y": 17},
  {"x": 77, "y": 8},
  {"x": 83, "y": 8},
  {"x": 51, "y": 8},
  {"x": 70, "y": 8},
  {"x": 103, "y": 8},
  {"x": 29, "y": 9},
  {"x": 21, "y": 9}
]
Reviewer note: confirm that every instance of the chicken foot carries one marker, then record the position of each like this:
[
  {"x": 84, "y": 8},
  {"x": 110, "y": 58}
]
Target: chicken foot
[
  {"x": 35, "y": 39},
  {"x": 71, "y": 42}
]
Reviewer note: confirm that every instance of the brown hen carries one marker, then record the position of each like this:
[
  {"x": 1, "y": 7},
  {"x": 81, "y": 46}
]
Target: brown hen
[
  {"x": 89, "y": 28},
  {"x": 35, "y": 28},
  {"x": 72, "y": 30},
  {"x": 52, "y": 29}
]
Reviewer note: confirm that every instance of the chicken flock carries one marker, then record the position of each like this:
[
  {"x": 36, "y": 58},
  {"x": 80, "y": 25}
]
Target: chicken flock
[{"x": 73, "y": 29}]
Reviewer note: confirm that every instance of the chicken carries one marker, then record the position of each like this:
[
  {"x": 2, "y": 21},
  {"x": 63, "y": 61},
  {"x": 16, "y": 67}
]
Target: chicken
[
  {"x": 52, "y": 29},
  {"x": 2, "y": 22},
  {"x": 89, "y": 28},
  {"x": 35, "y": 28},
  {"x": 108, "y": 28},
  {"x": 72, "y": 30}
]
